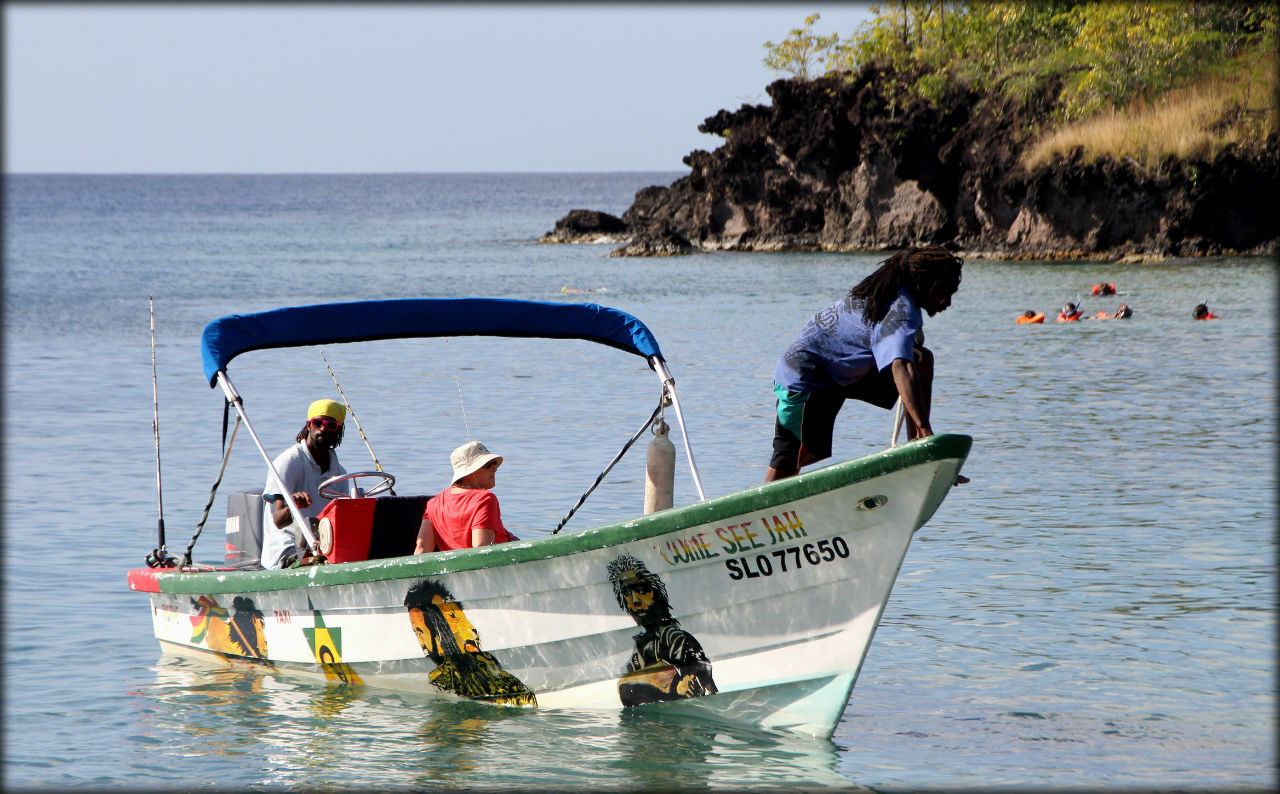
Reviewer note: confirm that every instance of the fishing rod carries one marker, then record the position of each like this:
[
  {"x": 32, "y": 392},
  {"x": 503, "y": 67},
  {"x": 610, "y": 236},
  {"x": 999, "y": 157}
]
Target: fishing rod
[
  {"x": 351, "y": 411},
  {"x": 159, "y": 557},
  {"x": 458, "y": 381}
]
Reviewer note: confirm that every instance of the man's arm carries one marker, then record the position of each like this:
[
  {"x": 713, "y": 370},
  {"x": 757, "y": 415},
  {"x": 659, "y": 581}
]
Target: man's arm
[
  {"x": 280, "y": 509},
  {"x": 907, "y": 379}
]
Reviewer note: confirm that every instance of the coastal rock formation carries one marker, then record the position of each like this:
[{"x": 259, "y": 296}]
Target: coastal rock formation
[
  {"x": 660, "y": 238},
  {"x": 832, "y": 165},
  {"x": 588, "y": 226}
]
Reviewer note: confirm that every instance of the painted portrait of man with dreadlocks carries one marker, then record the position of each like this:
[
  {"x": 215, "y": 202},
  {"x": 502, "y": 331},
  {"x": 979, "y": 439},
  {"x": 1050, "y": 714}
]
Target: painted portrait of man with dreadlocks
[
  {"x": 247, "y": 622},
  {"x": 668, "y": 663},
  {"x": 868, "y": 346},
  {"x": 236, "y": 634},
  {"x": 446, "y": 635}
]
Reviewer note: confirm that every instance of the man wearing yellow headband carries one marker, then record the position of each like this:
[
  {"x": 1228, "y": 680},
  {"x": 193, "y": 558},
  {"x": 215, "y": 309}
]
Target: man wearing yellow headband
[{"x": 302, "y": 467}]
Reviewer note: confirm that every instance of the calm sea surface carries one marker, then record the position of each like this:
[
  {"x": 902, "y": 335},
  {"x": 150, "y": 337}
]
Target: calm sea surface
[{"x": 1096, "y": 609}]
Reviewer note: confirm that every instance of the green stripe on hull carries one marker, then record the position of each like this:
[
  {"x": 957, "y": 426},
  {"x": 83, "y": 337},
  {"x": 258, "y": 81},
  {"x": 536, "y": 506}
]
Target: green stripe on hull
[{"x": 933, "y": 448}]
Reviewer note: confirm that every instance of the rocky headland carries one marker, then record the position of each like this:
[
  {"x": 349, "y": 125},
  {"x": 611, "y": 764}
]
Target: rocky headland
[{"x": 831, "y": 165}]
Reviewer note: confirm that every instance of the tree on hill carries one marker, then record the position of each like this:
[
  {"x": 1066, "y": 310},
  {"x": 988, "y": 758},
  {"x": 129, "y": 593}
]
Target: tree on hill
[
  {"x": 1106, "y": 54},
  {"x": 798, "y": 53}
]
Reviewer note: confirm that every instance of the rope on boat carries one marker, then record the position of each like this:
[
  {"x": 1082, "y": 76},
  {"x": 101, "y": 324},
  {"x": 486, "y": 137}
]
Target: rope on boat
[
  {"x": 656, "y": 413},
  {"x": 226, "y": 455},
  {"x": 352, "y": 411}
]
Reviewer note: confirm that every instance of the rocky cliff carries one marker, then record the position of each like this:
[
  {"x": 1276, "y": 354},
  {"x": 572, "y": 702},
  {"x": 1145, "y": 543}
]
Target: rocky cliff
[{"x": 831, "y": 165}]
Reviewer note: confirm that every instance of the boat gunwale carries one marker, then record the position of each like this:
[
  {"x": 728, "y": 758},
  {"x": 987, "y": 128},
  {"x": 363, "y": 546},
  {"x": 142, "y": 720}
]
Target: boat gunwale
[{"x": 828, "y": 478}]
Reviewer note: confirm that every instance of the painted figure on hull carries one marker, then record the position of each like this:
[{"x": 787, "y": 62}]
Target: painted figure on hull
[
  {"x": 668, "y": 663},
  {"x": 448, "y": 638},
  {"x": 247, "y": 625},
  {"x": 239, "y": 634}
]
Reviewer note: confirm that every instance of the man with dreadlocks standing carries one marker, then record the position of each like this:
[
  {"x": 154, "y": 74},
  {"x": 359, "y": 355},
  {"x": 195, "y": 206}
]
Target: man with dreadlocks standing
[{"x": 869, "y": 347}]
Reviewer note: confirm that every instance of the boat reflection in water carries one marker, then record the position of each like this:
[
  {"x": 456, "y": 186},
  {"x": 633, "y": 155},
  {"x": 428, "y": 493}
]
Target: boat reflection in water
[{"x": 305, "y": 733}]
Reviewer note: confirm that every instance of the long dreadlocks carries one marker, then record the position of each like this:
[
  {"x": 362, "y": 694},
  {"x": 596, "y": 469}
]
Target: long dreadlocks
[{"x": 918, "y": 269}]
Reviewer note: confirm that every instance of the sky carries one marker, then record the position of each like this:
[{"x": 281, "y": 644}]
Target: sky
[{"x": 408, "y": 87}]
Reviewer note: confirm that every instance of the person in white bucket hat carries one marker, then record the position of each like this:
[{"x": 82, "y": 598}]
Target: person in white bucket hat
[{"x": 466, "y": 514}]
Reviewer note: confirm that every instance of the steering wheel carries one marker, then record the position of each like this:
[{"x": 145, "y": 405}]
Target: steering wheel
[{"x": 328, "y": 490}]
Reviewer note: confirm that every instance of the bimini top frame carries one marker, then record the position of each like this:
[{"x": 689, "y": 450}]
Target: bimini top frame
[{"x": 360, "y": 321}]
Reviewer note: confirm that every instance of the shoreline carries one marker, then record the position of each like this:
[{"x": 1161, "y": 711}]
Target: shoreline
[{"x": 988, "y": 254}]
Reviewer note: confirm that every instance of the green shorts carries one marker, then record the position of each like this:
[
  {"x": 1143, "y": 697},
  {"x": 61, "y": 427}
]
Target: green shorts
[{"x": 807, "y": 419}]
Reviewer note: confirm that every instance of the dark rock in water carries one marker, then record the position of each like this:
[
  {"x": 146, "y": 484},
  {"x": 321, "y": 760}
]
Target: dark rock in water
[
  {"x": 831, "y": 165},
  {"x": 587, "y": 226},
  {"x": 656, "y": 238}
]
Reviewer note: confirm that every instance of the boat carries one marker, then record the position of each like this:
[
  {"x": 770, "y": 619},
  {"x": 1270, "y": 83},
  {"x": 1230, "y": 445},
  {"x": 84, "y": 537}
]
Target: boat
[{"x": 753, "y": 608}]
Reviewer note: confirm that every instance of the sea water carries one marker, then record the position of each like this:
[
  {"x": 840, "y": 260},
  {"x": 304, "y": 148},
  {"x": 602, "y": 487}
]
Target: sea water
[{"x": 1096, "y": 609}]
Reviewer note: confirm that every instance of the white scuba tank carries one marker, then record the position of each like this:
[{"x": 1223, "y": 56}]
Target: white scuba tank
[{"x": 659, "y": 470}]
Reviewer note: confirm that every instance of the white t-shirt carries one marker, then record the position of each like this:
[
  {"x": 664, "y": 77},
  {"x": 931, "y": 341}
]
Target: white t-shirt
[{"x": 300, "y": 472}]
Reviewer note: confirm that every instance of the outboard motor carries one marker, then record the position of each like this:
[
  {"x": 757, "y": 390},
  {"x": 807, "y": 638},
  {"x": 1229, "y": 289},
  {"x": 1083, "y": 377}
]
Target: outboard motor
[{"x": 244, "y": 529}]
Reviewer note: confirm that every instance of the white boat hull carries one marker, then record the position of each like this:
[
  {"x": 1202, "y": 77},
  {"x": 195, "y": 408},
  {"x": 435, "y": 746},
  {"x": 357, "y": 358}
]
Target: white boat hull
[{"x": 781, "y": 586}]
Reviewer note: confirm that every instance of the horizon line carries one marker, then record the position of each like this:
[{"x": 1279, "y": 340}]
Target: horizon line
[{"x": 8, "y": 173}]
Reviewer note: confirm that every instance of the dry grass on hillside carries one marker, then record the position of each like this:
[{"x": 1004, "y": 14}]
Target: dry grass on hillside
[{"x": 1196, "y": 121}]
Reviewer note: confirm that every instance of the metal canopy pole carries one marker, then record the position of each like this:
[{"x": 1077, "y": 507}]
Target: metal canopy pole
[
  {"x": 669, "y": 382},
  {"x": 298, "y": 518}
]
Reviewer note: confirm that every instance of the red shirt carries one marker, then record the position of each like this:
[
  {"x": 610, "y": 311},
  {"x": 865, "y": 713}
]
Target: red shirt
[{"x": 454, "y": 515}]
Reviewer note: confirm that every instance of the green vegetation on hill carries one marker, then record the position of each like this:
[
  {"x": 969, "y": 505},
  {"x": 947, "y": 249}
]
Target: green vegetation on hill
[{"x": 1140, "y": 80}]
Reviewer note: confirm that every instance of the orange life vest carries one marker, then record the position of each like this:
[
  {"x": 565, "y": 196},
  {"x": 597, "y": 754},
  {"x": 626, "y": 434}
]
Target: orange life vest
[
  {"x": 1024, "y": 320},
  {"x": 1104, "y": 289},
  {"x": 1068, "y": 318}
]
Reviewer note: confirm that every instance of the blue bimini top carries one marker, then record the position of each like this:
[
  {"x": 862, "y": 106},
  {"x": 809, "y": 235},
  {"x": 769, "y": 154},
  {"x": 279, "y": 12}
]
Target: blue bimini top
[{"x": 361, "y": 321}]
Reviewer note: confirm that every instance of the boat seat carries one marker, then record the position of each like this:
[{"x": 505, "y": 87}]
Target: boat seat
[{"x": 370, "y": 528}]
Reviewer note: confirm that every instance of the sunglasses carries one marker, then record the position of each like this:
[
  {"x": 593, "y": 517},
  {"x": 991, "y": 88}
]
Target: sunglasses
[{"x": 325, "y": 423}]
